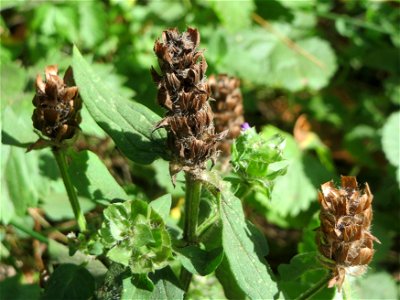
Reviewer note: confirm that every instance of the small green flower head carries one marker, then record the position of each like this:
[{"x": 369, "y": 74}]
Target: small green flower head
[{"x": 136, "y": 236}]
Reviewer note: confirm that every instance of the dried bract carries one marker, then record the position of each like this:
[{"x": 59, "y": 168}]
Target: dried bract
[
  {"x": 184, "y": 92},
  {"x": 344, "y": 238},
  {"x": 57, "y": 106},
  {"x": 227, "y": 108}
]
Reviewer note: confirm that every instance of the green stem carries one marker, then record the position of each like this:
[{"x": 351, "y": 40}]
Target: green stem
[
  {"x": 192, "y": 204},
  {"x": 206, "y": 224},
  {"x": 73, "y": 199},
  {"x": 315, "y": 288},
  {"x": 32, "y": 233}
]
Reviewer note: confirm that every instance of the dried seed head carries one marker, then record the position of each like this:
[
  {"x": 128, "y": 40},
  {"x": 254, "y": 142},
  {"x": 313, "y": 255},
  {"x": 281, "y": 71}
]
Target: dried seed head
[
  {"x": 57, "y": 106},
  {"x": 184, "y": 92},
  {"x": 227, "y": 108},
  {"x": 344, "y": 238}
]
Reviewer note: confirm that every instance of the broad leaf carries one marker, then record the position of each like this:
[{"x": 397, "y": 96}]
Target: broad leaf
[
  {"x": 92, "y": 179},
  {"x": 244, "y": 253},
  {"x": 13, "y": 288},
  {"x": 162, "y": 206},
  {"x": 20, "y": 182},
  {"x": 166, "y": 286},
  {"x": 263, "y": 58},
  {"x": 70, "y": 282},
  {"x": 299, "y": 264},
  {"x": 59, "y": 254},
  {"x": 129, "y": 124},
  {"x": 303, "y": 271},
  {"x": 234, "y": 15},
  {"x": 380, "y": 285},
  {"x": 391, "y": 141},
  {"x": 199, "y": 261}
]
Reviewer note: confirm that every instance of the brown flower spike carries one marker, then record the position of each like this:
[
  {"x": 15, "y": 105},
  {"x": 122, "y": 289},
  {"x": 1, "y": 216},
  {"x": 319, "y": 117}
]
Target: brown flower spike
[
  {"x": 184, "y": 92},
  {"x": 344, "y": 238},
  {"x": 57, "y": 106},
  {"x": 227, "y": 108}
]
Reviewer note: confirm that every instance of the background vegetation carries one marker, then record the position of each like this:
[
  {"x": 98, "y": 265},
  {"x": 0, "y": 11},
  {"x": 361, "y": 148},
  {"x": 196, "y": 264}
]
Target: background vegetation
[{"x": 324, "y": 74}]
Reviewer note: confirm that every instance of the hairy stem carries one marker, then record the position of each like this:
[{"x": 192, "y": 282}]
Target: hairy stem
[
  {"x": 73, "y": 199},
  {"x": 315, "y": 288},
  {"x": 192, "y": 203},
  {"x": 30, "y": 232}
]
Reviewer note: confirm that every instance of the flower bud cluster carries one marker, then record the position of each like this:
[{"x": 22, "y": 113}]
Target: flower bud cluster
[
  {"x": 227, "y": 108},
  {"x": 344, "y": 238},
  {"x": 57, "y": 106},
  {"x": 183, "y": 91}
]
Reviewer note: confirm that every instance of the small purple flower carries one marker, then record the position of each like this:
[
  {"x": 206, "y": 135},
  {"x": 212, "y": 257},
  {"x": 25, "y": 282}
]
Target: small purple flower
[{"x": 245, "y": 126}]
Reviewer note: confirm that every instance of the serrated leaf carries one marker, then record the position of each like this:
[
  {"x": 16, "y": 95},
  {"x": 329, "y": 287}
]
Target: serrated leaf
[
  {"x": 199, "y": 261},
  {"x": 70, "y": 282},
  {"x": 265, "y": 59},
  {"x": 244, "y": 253},
  {"x": 129, "y": 124},
  {"x": 92, "y": 179},
  {"x": 136, "y": 236}
]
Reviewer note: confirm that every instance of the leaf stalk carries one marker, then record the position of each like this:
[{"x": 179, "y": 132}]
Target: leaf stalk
[{"x": 73, "y": 199}]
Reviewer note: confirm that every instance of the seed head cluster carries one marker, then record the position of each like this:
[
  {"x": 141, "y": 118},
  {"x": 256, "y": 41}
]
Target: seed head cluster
[
  {"x": 57, "y": 106},
  {"x": 344, "y": 238},
  {"x": 227, "y": 108},
  {"x": 183, "y": 91}
]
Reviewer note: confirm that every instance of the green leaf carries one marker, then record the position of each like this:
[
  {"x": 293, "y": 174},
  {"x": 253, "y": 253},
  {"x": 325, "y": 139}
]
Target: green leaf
[
  {"x": 136, "y": 236},
  {"x": 59, "y": 254},
  {"x": 380, "y": 285},
  {"x": 13, "y": 288},
  {"x": 199, "y": 261},
  {"x": 162, "y": 206},
  {"x": 299, "y": 265},
  {"x": 300, "y": 274},
  {"x": 297, "y": 189},
  {"x": 234, "y": 15},
  {"x": 89, "y": 126},
  {"x": 243, "y": 251},
  {"x": 92, "y": 19},
  {"x": 166, "y": 286},
  {"x": 70, "y": 282},
  {"x": 129, "y": 124},
  {"x": 92, "y": 179},
  {"x": 20, "y": 181},
  {"x": 56, "y": 204},
  {"x": 266, "y": 60},
  {"x": 391, "y": 141}
]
